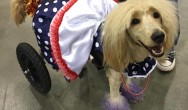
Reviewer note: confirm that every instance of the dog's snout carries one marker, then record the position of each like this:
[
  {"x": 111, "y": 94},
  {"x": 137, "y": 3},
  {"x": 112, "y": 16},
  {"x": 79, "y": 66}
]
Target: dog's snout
[{"x": 158, "y": 37}]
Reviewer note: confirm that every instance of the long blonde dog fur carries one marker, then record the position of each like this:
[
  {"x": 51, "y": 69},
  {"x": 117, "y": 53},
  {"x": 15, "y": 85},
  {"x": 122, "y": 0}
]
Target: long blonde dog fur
[{"x": 121, "y": 39}]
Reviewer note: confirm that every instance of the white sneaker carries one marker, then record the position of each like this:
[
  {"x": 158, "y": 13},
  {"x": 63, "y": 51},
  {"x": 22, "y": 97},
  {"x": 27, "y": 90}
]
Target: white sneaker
[{"x": 167, "y": 64}]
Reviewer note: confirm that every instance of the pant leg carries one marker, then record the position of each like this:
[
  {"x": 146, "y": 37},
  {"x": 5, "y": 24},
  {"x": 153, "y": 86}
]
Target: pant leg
[{"x": 177, "y": 37}]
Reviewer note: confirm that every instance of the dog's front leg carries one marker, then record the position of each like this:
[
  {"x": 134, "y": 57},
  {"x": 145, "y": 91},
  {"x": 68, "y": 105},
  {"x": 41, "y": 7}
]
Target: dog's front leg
[
  {"x": 115, "y": 101},
  {"x": 134, "y": 88}
]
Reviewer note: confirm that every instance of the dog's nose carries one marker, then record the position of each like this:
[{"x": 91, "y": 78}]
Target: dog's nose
[{"x": 158, "y": 37}]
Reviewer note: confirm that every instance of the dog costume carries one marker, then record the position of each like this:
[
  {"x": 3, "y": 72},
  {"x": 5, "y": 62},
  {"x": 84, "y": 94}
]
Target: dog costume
[{"x": 69, "y": 31}]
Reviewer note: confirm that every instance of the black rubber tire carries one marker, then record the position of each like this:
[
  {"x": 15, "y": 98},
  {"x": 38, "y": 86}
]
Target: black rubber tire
[{"x": 33, "y": 67}]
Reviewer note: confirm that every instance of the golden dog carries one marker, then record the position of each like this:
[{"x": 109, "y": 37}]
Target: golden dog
[{"x": 132, "y": 31}]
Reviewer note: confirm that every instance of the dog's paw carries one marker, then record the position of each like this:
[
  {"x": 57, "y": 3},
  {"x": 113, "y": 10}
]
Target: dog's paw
[
  {"x": 133, "y": 87},
  {"x": 116, "y": 103}
]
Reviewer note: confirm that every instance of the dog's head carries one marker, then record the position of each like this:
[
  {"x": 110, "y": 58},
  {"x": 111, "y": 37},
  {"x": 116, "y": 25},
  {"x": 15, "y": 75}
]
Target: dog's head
[{"x": 151, "y": 24}]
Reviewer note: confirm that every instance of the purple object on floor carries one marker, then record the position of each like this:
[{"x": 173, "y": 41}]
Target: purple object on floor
[{"x": 114, "y": 104}]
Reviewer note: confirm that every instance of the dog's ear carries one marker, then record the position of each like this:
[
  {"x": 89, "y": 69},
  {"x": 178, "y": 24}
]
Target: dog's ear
[
  {"x": 116, "y": 50},
  {"x": 170, "y": 23},
  {"x": 116, "y": 40}
]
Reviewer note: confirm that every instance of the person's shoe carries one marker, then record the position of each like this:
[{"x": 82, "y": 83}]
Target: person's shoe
[{"x": 168, "y": 63}]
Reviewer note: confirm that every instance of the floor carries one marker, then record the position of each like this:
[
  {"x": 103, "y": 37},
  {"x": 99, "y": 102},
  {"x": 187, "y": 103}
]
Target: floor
[{"x": 166, "y": 91}]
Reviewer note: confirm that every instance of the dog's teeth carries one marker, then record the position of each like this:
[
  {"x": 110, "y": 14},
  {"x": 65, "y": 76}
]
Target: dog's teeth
[
  {"x": 157, "y": 53},
  {"x": 161, "y": 51}
]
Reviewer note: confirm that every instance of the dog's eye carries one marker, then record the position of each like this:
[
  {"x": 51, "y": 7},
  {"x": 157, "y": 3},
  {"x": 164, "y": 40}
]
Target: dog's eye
[
  {"x": 135, "y": 21},
  {"x": 156, "y": 15}
]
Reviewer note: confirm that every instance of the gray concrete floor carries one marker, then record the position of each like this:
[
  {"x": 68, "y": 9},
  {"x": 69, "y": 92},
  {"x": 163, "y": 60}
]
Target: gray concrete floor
[{"x": 165, "y": 91}]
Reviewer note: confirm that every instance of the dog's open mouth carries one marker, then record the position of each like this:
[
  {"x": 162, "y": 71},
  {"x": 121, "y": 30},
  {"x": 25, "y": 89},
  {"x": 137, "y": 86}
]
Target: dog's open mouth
[{"x": 156, "y": 51}]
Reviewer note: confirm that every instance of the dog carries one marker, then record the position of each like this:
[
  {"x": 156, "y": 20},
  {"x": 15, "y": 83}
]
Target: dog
[{"x": 131, "y": 31}]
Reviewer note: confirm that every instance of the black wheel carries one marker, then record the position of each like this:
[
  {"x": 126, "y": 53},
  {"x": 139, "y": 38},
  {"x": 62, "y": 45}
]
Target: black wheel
[{"x": 33, "y": 67}]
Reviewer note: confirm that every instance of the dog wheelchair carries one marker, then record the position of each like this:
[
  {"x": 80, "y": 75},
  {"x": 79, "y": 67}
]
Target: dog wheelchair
[
  {"x": 32, "y": 63},
  {"x": 34, "y": 67}
]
